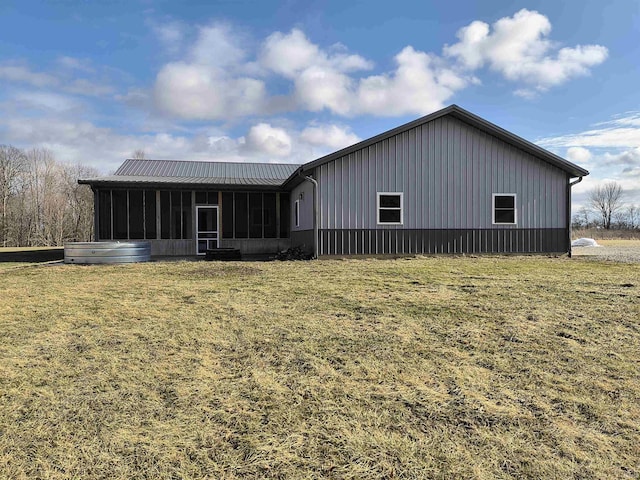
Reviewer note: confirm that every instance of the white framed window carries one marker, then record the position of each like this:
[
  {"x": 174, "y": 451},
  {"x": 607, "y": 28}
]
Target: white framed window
[
  {"x": 389, "y": 206},
  {"x": 296, "y": 213},
  {"x": 504, "y": 210}
]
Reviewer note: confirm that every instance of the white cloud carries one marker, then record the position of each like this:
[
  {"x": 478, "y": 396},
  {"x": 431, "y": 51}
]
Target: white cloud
[
  {"x": 333, "y": 136},
  {"x": 218, "y": 77},
  {"x": 217, "y": 46},
  {"x": 205, "y": 86},
  {"x": 290, "y": 54},
  {"x": 518, "y": 48},
  {"x": 317, "y": 88},
  {"x": 82, "y": 86},
  {"x": 578, "y": 155},
  {"x": 270, "y": 140},
  {"x": 621, "y": 132},
  {"x": 420, "y": 84},
  {"x": 43, "y": 100},
  {"x": 22, "y": 74},
  {"x": 195, "y": 91},
  {"x": 62, "y": 80},
  {"x": 171, "y": 34},
  {"x": 629, "y": 159}
]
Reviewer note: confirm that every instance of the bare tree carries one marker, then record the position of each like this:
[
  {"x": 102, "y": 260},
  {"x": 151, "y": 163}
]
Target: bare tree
[
  {"x": 582, "y": 219},
  {"x": 606, "y": 201},
  {"x": 12, "y": 165},
  {"x": 138, "y": 154},
  {"x": 632, "y": 216},
  {"x": 79, "y": 227}
]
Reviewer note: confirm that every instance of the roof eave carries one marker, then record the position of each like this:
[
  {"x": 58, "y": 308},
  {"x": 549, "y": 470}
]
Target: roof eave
[{"x": 100, "y": 183}]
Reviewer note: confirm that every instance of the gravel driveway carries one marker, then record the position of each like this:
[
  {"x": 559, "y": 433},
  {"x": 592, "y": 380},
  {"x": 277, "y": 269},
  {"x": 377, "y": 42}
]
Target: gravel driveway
[{"x": 629, "y": 253}]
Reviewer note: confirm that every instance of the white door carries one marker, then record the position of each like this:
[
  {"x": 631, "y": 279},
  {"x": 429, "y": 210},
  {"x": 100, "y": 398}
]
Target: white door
[{"x": 206, "y": 228}]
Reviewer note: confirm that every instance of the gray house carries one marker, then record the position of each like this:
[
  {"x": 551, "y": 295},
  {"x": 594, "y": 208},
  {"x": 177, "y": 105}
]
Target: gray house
[{"x": 449, "y": 182}]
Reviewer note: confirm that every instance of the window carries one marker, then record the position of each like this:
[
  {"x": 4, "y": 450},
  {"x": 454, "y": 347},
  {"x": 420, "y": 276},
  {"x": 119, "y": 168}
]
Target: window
[
  {"x": 504, "y": 208},
  {"x": 390, "y": 208},
  {"x": 296, "y": 213}
]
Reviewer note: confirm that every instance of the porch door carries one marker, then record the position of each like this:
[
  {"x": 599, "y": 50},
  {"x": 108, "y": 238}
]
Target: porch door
[{"x": 206, "y": 228}]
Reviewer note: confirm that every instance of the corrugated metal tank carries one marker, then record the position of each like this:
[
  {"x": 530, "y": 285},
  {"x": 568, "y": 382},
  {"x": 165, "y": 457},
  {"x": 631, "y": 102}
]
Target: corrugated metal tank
[{"x": 107, "y": 252}]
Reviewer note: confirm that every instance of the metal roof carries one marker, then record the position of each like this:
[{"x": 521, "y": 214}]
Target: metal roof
[
  {"x": 135, "y": 171},
  {"x": 463, "y": 115}
]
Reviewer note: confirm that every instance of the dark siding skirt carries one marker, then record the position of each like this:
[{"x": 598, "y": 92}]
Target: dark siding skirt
[{"x": 398, "y": 242}]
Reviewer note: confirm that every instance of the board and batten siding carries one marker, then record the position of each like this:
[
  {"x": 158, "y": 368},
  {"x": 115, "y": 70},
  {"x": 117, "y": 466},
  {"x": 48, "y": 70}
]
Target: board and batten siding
[{"x": 447, "y": 171}]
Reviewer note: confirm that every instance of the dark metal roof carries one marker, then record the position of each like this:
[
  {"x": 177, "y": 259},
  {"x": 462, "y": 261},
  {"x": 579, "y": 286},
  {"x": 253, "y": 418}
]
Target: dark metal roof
[
  {"x": 463, "y": 115},
  {"x": 135, "y": 171}
]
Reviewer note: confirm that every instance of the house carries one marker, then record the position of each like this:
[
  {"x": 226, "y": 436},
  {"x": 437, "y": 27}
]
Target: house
[{"x": 449, "y": 182}]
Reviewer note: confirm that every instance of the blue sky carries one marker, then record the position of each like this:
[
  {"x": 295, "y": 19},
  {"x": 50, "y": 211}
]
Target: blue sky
[{"x": 289, "y": 81}]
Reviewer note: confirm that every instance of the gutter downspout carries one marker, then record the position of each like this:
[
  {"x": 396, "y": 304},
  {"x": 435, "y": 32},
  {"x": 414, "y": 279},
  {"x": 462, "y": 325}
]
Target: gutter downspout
[
  {"x": 315, "y": 211},
  {"x": 571, "y": 184}
]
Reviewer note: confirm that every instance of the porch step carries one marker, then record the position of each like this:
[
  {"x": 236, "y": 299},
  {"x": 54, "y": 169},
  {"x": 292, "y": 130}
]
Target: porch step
[{"x": 222, "y": 254}]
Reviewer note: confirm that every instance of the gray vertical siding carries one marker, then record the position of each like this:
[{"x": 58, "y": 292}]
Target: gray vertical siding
[{"x": 447, "y": 171}]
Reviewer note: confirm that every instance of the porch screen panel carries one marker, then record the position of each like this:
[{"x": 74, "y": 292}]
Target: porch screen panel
[
  {"x": 269, "y": 208},
  {"x": 104, "y": 214},
  {"x": 176, "y": 215},
  {"x": 165, "y": 215},
  {"x": 120, "y": 214},
  {"x": 227, "y": 215},
  {"x": 136, "y": 215},
  {"x": 187, "y": 231},
  {"x": 241, "y": 215},
  {"x": 150, "y": 214},
  {"x": 255, "y": 215}
]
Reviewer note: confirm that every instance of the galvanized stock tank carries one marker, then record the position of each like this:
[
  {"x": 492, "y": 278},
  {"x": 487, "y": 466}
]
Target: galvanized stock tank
[{"x": 107, "y": 252}]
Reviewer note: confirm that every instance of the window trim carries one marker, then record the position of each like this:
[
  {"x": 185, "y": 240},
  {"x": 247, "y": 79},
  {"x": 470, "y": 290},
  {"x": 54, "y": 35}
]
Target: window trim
[
  {"x": 401, "y": 195},
  {"x": 515, "y": 208},
  {"x": 296, "y": 213}
]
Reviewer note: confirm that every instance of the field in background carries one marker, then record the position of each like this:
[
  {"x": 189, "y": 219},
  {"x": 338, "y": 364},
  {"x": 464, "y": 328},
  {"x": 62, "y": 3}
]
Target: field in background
[
  {"x": 442, "y": 367},
  {"x": 602, "y": 234}
]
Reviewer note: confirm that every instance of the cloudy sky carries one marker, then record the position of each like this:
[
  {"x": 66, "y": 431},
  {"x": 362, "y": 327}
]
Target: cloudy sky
[{"x": 289, "y": 81}]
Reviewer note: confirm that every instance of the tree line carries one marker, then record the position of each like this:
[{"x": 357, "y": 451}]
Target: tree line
[
  {"x": 41, "y": 203},
  {"x": 606, "y": 208}
]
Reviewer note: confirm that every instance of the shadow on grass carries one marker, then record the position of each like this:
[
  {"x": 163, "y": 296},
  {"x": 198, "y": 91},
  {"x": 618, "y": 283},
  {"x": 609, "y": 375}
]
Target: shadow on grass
[{"x": 33, "y": 256}]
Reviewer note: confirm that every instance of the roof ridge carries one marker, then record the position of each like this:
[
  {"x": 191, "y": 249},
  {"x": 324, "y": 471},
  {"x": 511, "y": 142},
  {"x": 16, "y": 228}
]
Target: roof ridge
[{"x": 208, "y": 161}]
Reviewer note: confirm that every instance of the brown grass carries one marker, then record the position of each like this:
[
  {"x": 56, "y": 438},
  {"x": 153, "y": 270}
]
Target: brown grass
[{"x": 515, "y": 367}]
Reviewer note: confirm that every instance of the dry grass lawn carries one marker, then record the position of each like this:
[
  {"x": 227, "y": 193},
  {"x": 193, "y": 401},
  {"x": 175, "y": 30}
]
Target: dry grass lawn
[{"x": 492, "y": 367}]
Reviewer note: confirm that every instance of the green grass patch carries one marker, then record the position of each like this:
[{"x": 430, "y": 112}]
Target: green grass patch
[{"x": 442, "y": 367}]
